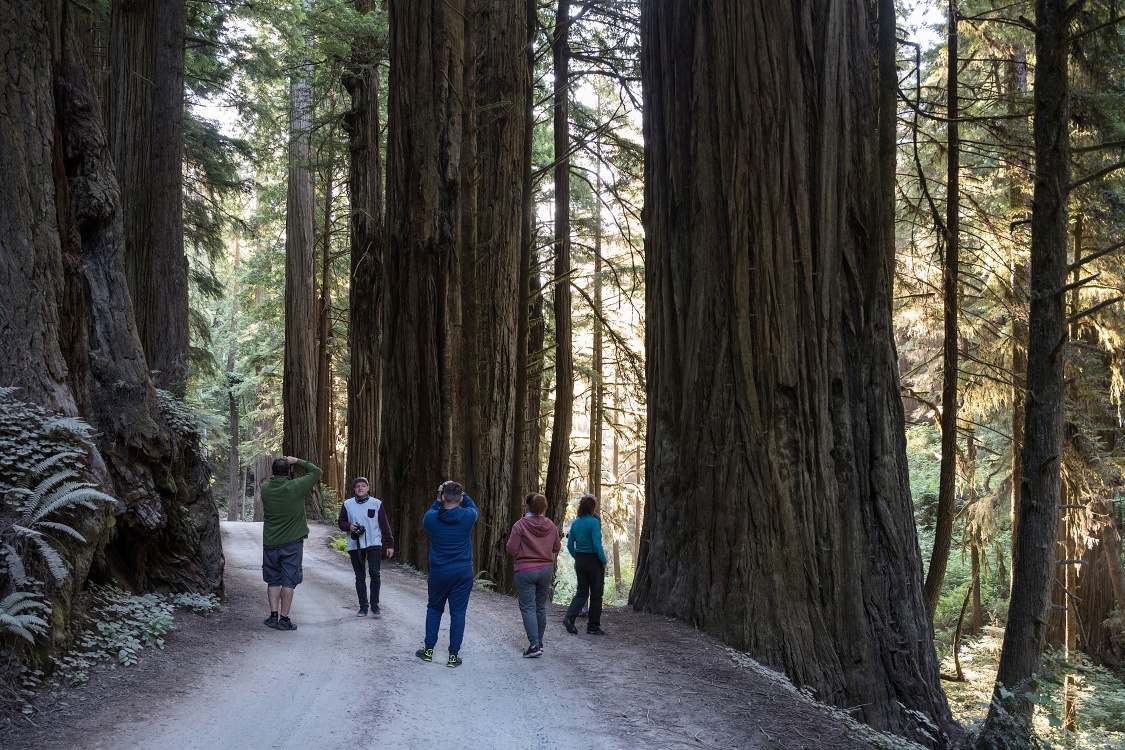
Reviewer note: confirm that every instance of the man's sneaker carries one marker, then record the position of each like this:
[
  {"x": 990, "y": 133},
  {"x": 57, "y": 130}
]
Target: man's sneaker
[
  {"x": 271, "y": 621},
  {"x": 569, "y": 625},
  {"x": 284, "y": 623},
  {"x": 533, "y": 652},
  {"x": 595, "y": 631},
  {"x": 362, "y": 611},
  {"x": 425, "y": 654},
  {"x": 376, "y": 612},
  {"x": 453, "y": 661}
]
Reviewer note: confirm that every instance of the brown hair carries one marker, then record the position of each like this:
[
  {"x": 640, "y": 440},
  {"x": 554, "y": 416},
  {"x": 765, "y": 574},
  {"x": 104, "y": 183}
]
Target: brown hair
[
  {"x": 587, "y": 504},
  {"x": 536, "y": 503}
]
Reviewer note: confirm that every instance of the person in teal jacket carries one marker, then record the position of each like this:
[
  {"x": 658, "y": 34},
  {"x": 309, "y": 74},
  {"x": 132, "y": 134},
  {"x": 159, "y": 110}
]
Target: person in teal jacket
[{"x": 584, "y": 543}]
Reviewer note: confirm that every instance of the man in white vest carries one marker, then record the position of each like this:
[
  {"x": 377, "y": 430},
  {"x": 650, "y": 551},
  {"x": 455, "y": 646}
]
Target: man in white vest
[{"x": 368, "y": 533}]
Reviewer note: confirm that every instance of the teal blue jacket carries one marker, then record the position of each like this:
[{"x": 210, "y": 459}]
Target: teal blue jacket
[{"x": 586, "y": 536}]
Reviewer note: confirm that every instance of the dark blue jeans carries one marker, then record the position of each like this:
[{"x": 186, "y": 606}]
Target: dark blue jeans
[
  {"x": 366, "y": 561},
  {"x": 453, "y": 586}
]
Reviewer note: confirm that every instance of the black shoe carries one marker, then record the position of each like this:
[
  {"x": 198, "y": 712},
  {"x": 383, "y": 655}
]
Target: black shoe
[
  {"x": 362, "y": 611},
  {"x": 271, "y": 621},
  {"x": 595, "y": 631},
  {"x": 453, "y": 661},
  {"x": 425, "y": 654},
  {"x": 376, "y": 612},
  {"x": 284, "y": 623},
  {"x": 533, "y": 652},
  {"x": 569, "y": 625}
]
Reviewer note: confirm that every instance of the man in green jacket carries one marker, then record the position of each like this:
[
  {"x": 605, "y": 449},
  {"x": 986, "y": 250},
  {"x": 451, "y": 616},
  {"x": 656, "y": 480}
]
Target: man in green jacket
[{"x": 283, "y": 535}]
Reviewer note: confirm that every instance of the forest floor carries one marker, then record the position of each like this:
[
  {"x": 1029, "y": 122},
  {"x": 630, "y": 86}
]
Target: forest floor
[{"x": 339, "y": 681}]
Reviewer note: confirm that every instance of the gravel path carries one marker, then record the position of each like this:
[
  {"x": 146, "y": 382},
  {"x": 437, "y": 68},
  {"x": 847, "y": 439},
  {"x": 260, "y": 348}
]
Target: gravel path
[{"x": 226, "y": 682}]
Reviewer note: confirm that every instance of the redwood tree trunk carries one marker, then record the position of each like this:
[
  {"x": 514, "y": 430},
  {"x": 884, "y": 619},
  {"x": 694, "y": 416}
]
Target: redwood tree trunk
[
  {"x": 423, "y": 235},
  {"x": 132, "y": 52},
  {"x": 1033, "y": 573},
  {"x": 69, "y": 335},
  {"x": 492, "y": 298},
  {"x": 170, "y": 266},
  {"x": 558, "y": 464},
  {"x": 778, "y": 511},
  {"x": 365, "y": 189},
  {"x": 300, "y": 433}
]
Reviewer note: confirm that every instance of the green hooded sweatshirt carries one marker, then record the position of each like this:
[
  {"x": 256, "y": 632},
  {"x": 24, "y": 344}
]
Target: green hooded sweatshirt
[{"x": 283, "y": 500}]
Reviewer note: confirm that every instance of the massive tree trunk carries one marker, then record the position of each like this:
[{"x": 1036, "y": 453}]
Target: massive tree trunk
[
  {"x": 300, "y": 434},
  {"x": 491, "y": 299},
  {"x": 947, "y": 484},
  {"x": 170, "y": 266},
  {"x": 778, "y": 509},
  {"x": 130, "y": 91},
  {"x": 325, "y": 421},
  {"x": 69, "y": 335},
  {"x": 423, "y": 231},
  {"x": 558, "y": 464},
  {"x": 1033, "y": 573},
  {"x": 365, "y": 189}
]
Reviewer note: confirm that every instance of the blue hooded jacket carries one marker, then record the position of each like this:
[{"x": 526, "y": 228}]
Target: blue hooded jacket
[{"x": 451, "y": 544}]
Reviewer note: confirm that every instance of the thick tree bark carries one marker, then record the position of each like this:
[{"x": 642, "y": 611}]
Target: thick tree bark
[
  {"x": 69, "y": 331},
  {"x": 947, "y": 483},
  {"x": 778, "y": 510},
  {"x": 1033, "y": 573},
  {"x": 170, "y": 266},
  {"x": 558, "y": 464},
  {"x": 424, "y": 206},
  {"x": 130, "y": 93},
  {"x": 234, "y": 503},
  {"x": 365, "y": 189},
  {"x": 300, "y": 433},
  {"x": 491, "y": 299},
  {"x": 325, "y": 422}
]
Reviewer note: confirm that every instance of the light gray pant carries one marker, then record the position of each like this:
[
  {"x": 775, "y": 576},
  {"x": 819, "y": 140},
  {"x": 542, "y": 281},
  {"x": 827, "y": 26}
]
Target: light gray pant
[{"x": 531, "y": 590}]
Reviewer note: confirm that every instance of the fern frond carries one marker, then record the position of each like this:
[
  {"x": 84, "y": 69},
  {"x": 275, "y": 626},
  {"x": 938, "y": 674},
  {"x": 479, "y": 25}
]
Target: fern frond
[
  {"x": 16, "y": 570},
  {"x": 46, "y": 463},
  {"x": 48, "y": 485},
  {"x": 54, "y": 560},
  {"x": 24, "y": 530},
  {"x": 22, "y": 601},
  {"x": 70, "y": 495},
  {"x": 73, "y": 425},
  {"x": 61, "y": 527}
]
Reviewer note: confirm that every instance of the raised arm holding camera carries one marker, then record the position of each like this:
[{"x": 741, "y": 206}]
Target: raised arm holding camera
[
  {"x": 284, "y": 531},
  {"x": 364, "y": 518}
]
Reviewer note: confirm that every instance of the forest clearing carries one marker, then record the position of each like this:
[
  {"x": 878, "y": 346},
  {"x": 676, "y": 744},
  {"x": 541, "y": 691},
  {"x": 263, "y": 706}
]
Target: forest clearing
[{"x": 794, "y": 325}]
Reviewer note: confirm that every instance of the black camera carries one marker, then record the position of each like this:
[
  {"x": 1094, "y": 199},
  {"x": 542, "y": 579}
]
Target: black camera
[{"x": 358, "y": 533}]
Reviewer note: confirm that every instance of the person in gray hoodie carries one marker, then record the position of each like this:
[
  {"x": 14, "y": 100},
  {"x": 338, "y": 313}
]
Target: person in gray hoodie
[{"x": 533, "y": 543}]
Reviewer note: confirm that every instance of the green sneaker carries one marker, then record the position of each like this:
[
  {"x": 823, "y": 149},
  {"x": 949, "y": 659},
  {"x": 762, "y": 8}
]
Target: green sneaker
[
  {"x": 425, "y": 654},
  {"x": 454, "y": 661}
]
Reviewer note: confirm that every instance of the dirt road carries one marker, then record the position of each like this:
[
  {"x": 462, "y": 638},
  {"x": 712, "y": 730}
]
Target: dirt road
[{"x": 339, "y": 681}]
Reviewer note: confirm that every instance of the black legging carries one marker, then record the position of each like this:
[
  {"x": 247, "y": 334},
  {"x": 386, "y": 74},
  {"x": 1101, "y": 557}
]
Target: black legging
[
  {"x": 372, "y": 556},
  {"x": 591, "y": 581}
]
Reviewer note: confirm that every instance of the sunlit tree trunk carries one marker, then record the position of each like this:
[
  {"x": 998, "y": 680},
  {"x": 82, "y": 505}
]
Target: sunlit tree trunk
[
  {"x": 558, "y": 464},
  {"x": 300, "y": 432},
  {"x": 947, "y": 490},
  {"x": 778, "y": 513},
  {"x": 1033, "y": 572},
  {"x": 234, "y": 503},
  {"x": 368, "y": 239}
]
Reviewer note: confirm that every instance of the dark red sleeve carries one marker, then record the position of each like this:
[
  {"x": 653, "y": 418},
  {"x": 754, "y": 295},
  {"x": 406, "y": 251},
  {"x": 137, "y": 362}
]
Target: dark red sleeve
[
  {"x": 385, "y": 529},
  {"x": 342, "y": 521}
]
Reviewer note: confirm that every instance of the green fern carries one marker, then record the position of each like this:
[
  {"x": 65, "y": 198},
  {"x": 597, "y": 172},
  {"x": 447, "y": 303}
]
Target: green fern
[{"x": 19, "y": 615}]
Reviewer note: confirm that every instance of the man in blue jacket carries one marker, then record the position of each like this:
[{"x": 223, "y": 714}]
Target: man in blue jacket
[{"x": 449, "y": 522}]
